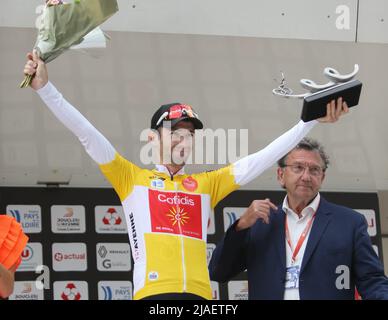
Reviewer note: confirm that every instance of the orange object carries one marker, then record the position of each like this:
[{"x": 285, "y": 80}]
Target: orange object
[{"x": 12, "y": 241}]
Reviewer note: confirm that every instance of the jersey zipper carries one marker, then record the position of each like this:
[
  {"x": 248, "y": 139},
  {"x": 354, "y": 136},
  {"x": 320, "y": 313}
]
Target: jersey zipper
[{"x": 181, "y": 240}]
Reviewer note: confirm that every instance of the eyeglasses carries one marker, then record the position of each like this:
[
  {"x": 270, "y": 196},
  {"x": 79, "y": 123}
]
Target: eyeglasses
[
  {"x": 177, "y": 111},
  {"x": 315, "y": 171}
]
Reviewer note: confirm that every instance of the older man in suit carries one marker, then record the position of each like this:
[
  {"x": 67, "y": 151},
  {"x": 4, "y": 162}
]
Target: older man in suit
[{"x": 308, "y": 248}]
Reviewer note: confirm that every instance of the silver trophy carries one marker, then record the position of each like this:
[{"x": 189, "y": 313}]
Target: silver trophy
[{"x": 318, "y": 95}]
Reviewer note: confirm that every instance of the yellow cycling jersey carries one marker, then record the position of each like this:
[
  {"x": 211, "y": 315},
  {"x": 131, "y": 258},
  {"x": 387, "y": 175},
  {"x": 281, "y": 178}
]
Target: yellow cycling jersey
[
  {"x": 167, "y": 224},
  {"x": 167, "y": 216}
]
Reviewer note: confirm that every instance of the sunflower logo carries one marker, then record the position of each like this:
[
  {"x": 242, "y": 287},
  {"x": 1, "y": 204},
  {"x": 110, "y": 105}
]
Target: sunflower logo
[{"x": 177, "y": 215}]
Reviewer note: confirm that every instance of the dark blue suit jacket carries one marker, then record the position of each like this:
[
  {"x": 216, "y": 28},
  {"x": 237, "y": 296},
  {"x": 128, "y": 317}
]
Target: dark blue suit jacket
[{"x": 338, "y": 237}]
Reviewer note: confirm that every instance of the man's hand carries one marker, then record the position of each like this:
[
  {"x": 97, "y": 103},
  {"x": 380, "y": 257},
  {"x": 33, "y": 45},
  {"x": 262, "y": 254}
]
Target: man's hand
[
  {"x": 7, "y": 279},
  {"x": 334, "y": 112},
  {"x": 259, "y": 209},
  {"x": 35, "y": 66}
]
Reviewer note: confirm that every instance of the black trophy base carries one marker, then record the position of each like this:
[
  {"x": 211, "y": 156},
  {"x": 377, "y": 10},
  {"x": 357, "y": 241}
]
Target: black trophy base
[{"x": 314, "y": 106}]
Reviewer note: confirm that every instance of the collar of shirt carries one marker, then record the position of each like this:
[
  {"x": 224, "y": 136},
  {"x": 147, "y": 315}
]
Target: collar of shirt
[
  {"x": 307, "y": 211},
  {"x": 163, "y": 169}
]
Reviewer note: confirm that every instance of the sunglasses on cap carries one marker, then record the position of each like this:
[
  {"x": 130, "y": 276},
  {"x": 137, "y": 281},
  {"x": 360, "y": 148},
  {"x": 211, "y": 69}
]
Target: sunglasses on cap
[{"x": 177, "y": 111}]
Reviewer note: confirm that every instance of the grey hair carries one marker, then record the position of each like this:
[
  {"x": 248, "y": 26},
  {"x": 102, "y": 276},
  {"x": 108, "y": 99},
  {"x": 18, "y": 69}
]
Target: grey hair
[{"x": 309, "y": 145}]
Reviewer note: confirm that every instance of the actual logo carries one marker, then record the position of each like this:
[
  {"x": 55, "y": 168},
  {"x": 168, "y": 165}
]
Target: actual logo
[{"x": 69, "y": 256}]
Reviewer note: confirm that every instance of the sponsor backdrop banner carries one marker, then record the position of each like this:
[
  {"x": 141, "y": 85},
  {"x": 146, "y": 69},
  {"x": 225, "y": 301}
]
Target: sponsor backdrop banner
[{"x": 80, "y": 235}]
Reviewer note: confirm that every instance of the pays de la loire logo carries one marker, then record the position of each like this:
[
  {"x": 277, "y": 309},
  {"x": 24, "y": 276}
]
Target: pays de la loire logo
[
  {"x": 178, "y": 216},
  {"x": 190, "y": 184}
]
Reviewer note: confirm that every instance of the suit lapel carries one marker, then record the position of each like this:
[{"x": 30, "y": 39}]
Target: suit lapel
[
  {"x": 322, "y": 219},
  {"x": 280, "y": 237}
]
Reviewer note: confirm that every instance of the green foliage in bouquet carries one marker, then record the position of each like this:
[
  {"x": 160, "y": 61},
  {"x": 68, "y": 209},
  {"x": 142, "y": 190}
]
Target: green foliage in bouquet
[{"x": 66, "y": 24}]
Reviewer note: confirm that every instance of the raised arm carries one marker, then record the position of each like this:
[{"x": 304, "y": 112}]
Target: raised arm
[
  {"x": 250, "y": 167},
  {"x": 95, "y": 144}
]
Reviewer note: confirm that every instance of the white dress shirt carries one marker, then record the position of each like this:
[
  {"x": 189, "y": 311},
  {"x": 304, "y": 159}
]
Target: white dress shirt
[{"x": 296, "y": 225}]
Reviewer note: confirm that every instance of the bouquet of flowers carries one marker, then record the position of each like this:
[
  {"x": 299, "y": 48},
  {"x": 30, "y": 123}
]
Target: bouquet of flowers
[
  {"x": 70, "y": 23},
  {"x": 12, "y": 241}
]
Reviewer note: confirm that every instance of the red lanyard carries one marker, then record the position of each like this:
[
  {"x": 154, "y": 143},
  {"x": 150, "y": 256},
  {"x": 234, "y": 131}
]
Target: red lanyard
[{"x": 302, "y": 238}]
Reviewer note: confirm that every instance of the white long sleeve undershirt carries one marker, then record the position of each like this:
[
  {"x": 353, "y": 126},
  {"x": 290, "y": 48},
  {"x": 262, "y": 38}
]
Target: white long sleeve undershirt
[
  {"x": 95, "y": 144},
  {"x": 250, "y": 167}
]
